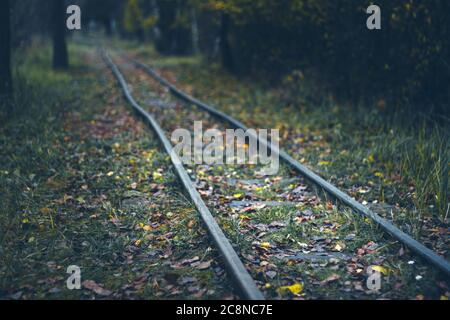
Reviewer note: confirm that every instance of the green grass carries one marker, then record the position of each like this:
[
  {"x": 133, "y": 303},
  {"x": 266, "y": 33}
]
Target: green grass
[
  {"x": 63, "y": 190},
  {"x": 64, "y": 180},
  {"x": 376, "y": 153}
]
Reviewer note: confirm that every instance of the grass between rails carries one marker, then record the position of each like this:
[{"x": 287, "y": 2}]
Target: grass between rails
[
  {"x": 397, "y": 164},
  {"x": 279, "y": 244},
  {"x": 82, "y": 183}
]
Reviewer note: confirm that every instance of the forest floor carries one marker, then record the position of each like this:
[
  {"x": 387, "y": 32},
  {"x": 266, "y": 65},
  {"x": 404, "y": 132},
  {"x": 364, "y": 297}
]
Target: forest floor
[
  {"x": 85, "y": 183},
  {"x": 395, "y": 163}
]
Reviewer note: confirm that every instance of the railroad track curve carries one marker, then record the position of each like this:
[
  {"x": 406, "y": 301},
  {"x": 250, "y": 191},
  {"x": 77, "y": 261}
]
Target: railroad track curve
[{"x": 233, "y": 262}]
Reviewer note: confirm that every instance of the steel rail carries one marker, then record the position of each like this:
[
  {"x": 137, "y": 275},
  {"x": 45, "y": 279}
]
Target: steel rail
[
  {"x": 426, "y": 253},
  {"x": 233, "y": 264}
]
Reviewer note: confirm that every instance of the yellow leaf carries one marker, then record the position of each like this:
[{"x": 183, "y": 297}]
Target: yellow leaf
[
  {"x": 46, "y": 210},
  {"x": 157, "y": 176},
  {"x": 294, "y": 289},
  {"x": 324, "y": 163},
  {"x": 265, "y": 245},
  {"x": 381, "y": 269},
  {"x": 443, "y": 298},
  {"x": 379, "y": 175},
  {"x": 371, "y": 158},
  {"x": 338, "y": 247},
  {"x": 80, "y": 200},
  {"x": 110, "y": 174},
  {"x": 138, "y": 243},
  {"x": 238, "y": 196},
  {"x": 147, "y": 228}
]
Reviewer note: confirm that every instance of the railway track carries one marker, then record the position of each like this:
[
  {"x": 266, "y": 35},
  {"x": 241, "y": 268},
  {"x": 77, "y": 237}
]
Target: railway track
[
  {"x": 336, "y": 193},
  {"x": 235, "y": 266}
]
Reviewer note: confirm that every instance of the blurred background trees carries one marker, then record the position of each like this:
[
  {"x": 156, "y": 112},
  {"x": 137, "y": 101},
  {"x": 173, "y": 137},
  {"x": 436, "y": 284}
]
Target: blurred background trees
[
  {"x": 406, "y": 62},
  {"x": 5, "y": 50}
]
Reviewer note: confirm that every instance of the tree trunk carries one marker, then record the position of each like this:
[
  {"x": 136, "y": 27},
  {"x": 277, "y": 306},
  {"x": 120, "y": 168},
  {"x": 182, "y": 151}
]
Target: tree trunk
[
  {"x": 195, "y": 32},
  {"x": 225, "y": 49},
  {"x": 107, "y": 23},
  {"x": 167, "y": 15},
  {"x": 5, "y": 50},
  {"x": 60, "y": 55}
]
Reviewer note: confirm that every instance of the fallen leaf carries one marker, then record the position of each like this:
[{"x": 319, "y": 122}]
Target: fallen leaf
[
  {"x": 46, "y": 210},
  {"x": 265, "y": 245},
  {"x": 381, "y": 269},
  {"x": 157, "y": 176},
  {"x": 189, "y": 261},
  {"x": 204, "y": 265},
  {"x": 331, "y": 278},
  {"x": 93, "y": 286},
  {"x": 191, "y": 224},
  {"x": 379, "y": 174},
  {"x": 80, "y": 200},
  {"x": 295, "y": 289}
]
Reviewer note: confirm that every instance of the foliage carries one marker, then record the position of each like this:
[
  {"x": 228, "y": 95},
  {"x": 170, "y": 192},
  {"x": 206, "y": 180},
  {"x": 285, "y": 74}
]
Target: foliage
[{"x": 406, "y": 61}]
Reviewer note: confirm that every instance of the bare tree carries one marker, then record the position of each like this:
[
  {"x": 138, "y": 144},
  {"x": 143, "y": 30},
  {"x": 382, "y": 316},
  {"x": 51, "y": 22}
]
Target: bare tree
[
  {"x": 225, "y": 48},
  {"x": 60, "y": 55}
]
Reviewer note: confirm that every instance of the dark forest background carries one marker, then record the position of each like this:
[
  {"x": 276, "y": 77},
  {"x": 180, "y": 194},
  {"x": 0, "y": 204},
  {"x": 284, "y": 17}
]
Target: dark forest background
[{"x": 406, "y": 63}]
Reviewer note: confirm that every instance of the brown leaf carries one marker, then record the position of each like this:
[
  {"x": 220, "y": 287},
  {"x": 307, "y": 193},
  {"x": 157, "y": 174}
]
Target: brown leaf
[
  {"x": 92, "y": 285},
  {"x": 190, "y": 261},
  {"x": 191, "y": 224},
  {"x": 204, "y": 265},
  {"x": 332, "y": 278}
]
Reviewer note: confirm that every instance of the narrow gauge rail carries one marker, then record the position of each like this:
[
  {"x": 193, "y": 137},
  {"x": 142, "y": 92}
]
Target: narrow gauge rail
[
  {"x": 234, "y": 265},
  {"x": 429, "y": 255}
]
